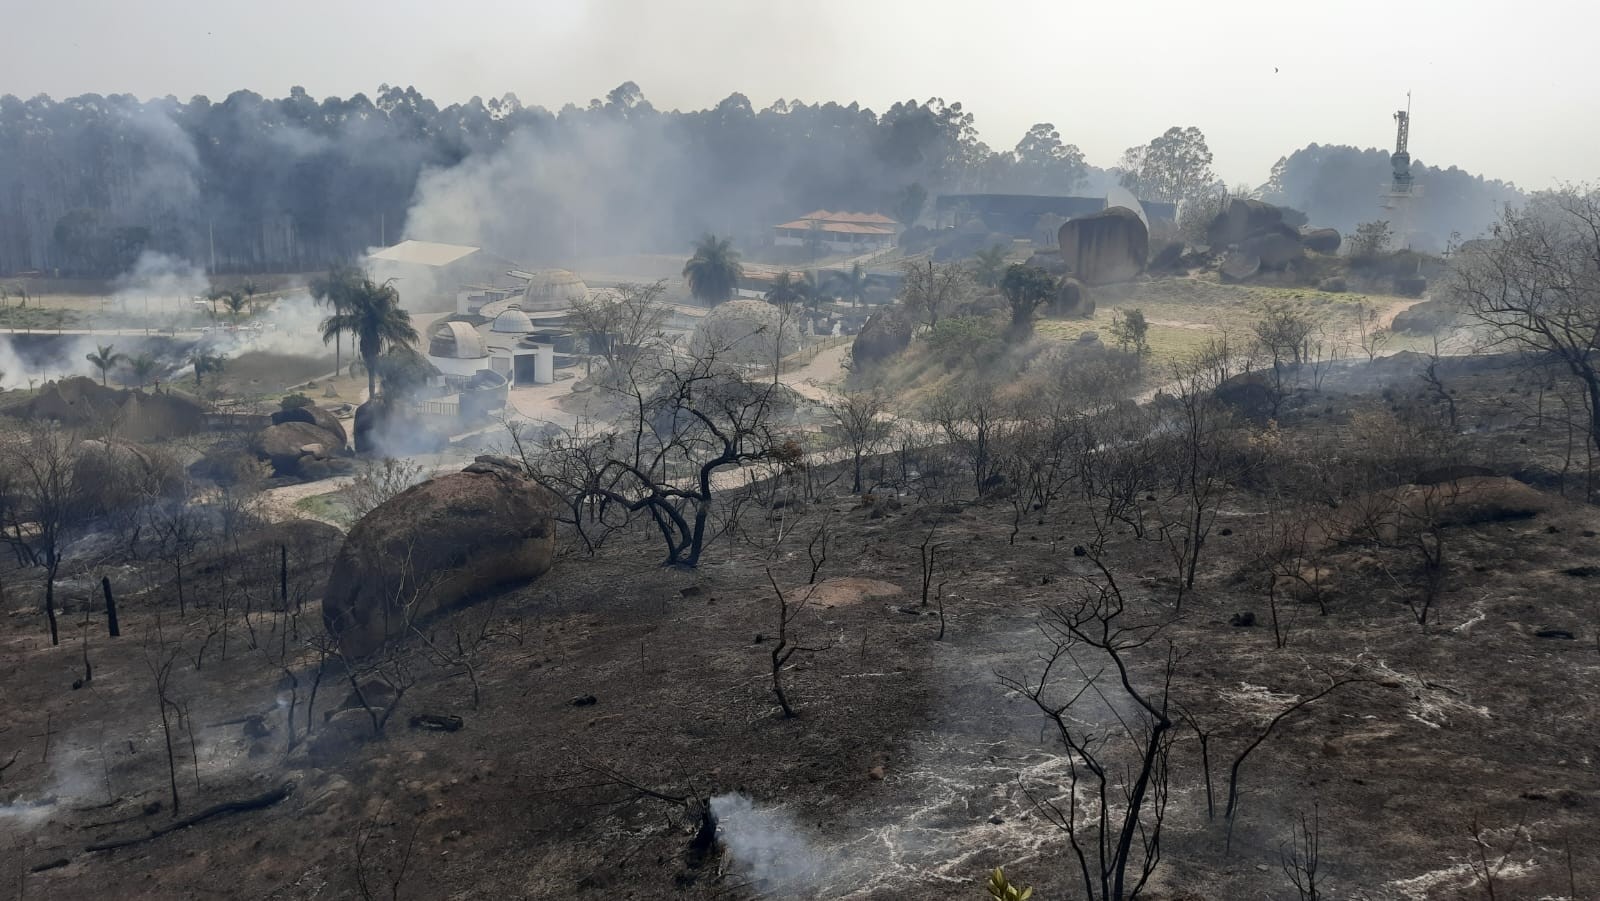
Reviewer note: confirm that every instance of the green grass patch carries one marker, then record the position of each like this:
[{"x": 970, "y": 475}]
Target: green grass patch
[
  {"x": 36, "y": 317},
  {"x": 331, "y": 507}
]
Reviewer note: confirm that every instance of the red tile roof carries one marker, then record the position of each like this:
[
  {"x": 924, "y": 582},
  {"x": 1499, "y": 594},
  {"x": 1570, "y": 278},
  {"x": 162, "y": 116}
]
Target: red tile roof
[
  {"x": 836, "y": 227},
  {"x": 859, "y": 218}
]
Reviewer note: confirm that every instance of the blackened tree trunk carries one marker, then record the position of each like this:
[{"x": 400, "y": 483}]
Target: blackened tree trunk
[
  {"x": 50, "y": 599},
  {"x": 111, "y": 608}
]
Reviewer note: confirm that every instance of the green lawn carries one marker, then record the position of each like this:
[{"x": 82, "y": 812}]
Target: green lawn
[{"x": 1185, "y": 312}]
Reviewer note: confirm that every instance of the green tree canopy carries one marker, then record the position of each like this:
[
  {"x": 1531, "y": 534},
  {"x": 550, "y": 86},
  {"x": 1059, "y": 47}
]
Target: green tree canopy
[
  {"x": 1025, "y": 288},
  {"x": 372, "y": 313},
  {"x": 713, "y": 272}
]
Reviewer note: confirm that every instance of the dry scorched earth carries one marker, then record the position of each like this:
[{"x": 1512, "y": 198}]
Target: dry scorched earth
[{"x": 609, "y": 689}]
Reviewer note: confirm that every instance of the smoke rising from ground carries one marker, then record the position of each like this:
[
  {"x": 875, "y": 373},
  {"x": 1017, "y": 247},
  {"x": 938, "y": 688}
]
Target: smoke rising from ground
[{"x": 769, "y": 844}]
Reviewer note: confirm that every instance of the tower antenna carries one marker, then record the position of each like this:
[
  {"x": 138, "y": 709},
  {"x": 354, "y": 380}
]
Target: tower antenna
[{"x": 1397, "y": 196}]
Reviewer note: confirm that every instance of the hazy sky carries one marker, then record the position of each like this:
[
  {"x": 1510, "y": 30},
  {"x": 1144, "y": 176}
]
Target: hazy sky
[{"x": 1508, "y": 90}]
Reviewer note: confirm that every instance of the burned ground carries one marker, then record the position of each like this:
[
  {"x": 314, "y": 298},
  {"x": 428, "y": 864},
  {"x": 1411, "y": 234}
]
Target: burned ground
[{"x": 907, "y": 772}]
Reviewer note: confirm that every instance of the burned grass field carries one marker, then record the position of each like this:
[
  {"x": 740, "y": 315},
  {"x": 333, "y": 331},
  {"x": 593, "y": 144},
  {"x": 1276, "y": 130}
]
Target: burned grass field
[{"x": 573, "y": 737}]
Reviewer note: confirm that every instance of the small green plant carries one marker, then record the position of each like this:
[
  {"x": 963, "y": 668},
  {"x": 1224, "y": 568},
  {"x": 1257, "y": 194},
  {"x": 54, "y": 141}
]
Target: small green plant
[
  {"x": 296, "y": 401},
  {"x": 1001, "y": 889}
]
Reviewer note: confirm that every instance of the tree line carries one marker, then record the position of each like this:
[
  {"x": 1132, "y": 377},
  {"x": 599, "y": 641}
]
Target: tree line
[{"x": 252, "y": 183}]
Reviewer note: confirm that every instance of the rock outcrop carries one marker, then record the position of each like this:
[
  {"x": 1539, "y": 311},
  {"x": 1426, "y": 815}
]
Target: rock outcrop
[
  {"x": 1426, "y": 317},
  {"x": 288, "y": 445},
  {"x": 383, "y": 426},
  {"x": 1073, "y": 300},
  {"x": 436, "y": 546},
  {"x": 134, "y": 415},
  {"x": 316, "y": 416},
  {"x": 1107, "y": 247},
  {"x": 1276, "y": 250},
  {"x": 1321, "y": 240},
  {"x": 1239, "y": 265}
]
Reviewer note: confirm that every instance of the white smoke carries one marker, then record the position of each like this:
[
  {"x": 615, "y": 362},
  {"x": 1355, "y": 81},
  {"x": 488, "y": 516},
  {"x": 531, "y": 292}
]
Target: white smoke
[
  {"x": 160, "y": 285},
  {"x": 76, "y": 777},
  {"x": 293, "y": 325},
  {"x": 768, "y": 844}
]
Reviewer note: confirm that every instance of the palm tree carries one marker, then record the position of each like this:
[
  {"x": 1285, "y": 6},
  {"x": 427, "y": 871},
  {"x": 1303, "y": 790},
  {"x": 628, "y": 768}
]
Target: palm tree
[
  {"x": 785, "y": 290},
  {"x": 335, "y": 289},
  {"x": 236, "y": 303},
  {"x": 855, "y": 285},
  {"x": 143, "y": 367},
  {"x": 104, "y": 358},
  {"x": 372, "y": 313},
  {"x": 713, "y": 272},
  {"x": 204, "y": 362},
  {"x": 990, "y": 266},
  {"x": 810, "y": 288}
]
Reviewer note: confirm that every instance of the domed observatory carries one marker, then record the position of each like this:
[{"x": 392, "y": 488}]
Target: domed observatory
[
  {"x": 518, "y": 352},
  {"x": 552, "y": 291},
  {"x": 512, "y": 322},
  {"x": 456, "y": 349}
]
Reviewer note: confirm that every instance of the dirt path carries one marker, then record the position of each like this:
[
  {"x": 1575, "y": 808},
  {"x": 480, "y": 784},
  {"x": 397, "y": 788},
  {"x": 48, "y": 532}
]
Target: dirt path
[
  {"x": 817, "y": 379},
  {"x": 278, "y": 504}
]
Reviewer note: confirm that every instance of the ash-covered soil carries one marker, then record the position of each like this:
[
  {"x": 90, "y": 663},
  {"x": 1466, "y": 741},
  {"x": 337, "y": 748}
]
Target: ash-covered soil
[{"x": 598, "y": 698}]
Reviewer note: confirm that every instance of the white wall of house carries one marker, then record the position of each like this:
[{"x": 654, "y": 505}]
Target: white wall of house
[{"x": 453, "y": 366}]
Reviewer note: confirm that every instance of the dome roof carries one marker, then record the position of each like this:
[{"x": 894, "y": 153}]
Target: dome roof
[
  {"x": 456, "y": 341},
  {"x": 552, "y": 289},
  {"x": 512, "y": 322}
]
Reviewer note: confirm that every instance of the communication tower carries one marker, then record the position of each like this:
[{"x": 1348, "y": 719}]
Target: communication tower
[{"x": 1397, "y": 197}]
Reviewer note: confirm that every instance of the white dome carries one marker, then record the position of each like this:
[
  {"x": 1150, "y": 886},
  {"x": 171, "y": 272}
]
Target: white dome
[
  {"x": 551, "y": 290},
  {"x": 456, "y": 341},
  {"x": 512, "y": 322}
]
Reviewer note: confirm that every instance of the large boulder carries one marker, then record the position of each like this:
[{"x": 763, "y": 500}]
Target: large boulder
[
  {"x": 1107, "y": 247},
  {"x": 1250, "y": 394},
  {"x": 286, "y": 444},
  {"x": 1072, "y": 299},
  {"x": 384, "y": 426},
  {"x": 316, "y": 416},
  {"x": 1426, "y": 317},
  {"x": 1276, "y": 250},
  {"x": 1239, "y": 265},
  {"x": 886, "y": 333},
  {"x": 436, "y": 546},
  {"x": 1321, "y": 240},
  {"x": 1410, "y": 285},
  {"x": 1048, "y": 260},
  {"x": 1243, "y": 218},
  {"x": 1169, "y": 258},
  {"x": 229, "y": 464}
]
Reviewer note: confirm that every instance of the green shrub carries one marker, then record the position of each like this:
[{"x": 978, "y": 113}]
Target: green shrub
[
  {"x": 958, "y": 338},
  {"x": 296, "y": 401}
]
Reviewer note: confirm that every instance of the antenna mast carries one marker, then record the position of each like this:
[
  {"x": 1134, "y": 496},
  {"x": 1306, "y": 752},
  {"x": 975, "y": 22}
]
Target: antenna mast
[{"x": 1396, "y": 197}]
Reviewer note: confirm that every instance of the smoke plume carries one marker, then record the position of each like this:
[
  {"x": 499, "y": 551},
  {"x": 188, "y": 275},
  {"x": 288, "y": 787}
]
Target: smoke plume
[{"x": 768, "y": 844}]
